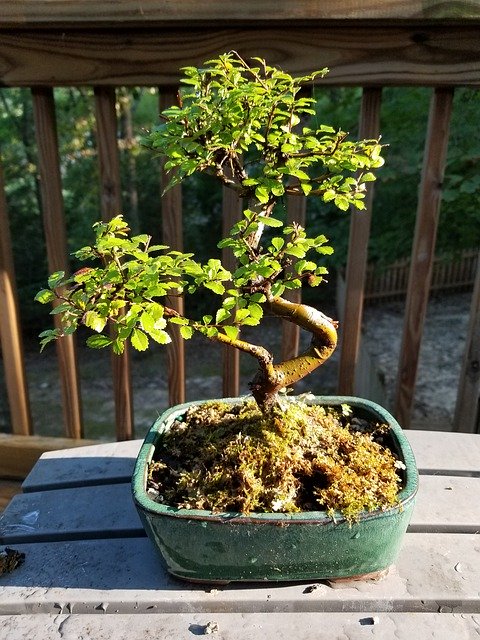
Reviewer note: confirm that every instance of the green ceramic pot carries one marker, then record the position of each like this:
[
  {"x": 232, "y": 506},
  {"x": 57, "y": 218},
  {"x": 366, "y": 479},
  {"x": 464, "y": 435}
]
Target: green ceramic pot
[{"x": 223, "y": 547}]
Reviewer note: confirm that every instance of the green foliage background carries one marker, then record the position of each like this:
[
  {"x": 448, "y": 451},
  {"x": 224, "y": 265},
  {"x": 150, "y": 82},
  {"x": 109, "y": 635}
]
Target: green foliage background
[{"x": 403, "y": 125}]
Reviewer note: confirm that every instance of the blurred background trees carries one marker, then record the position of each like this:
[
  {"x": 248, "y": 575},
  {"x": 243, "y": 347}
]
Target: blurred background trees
[{"x": 403, "y": 123}]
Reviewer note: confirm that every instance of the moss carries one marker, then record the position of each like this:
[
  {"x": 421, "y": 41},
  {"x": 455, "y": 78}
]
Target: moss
[{"x": 224, "y": 457}]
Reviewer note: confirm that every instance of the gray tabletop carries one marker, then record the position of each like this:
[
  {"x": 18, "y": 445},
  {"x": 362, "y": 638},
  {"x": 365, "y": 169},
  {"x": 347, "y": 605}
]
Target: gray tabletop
[{"x": 90, "y": 572}]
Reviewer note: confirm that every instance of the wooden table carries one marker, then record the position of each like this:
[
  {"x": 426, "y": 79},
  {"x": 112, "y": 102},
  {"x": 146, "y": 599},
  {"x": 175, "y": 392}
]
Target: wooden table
[{"x": 90, "y": 572}]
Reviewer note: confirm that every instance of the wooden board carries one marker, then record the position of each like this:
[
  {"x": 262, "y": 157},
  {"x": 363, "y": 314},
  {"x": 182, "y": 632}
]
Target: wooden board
[
  {"x": 18, "y": 454},
  {"x": 244, "y": 626},
  {"x": 445, "y": 453},
  {"x": 434, "y": 573},
  {"x": 356, "y": 55},
  {"x": 96, "y": 464},
  {"x": 121, "y": 12}
]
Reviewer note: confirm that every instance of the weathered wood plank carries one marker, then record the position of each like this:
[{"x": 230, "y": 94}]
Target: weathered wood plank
[
  {"x": 71, "y": 514},
  {"x": 18, "y": 454},
  {"x": 355, "y": 276},
  {"x": 10, "y": 329},
  {"x": 423, "y": 250},
  {"x": 122, "y": 12},
  {"x": 357, "y": 55},
  {"x": 245, "y": 626},
  {"x": 445, "y": 453},
  {"x": 56, "y": 240},
  {"x": 445, "y": 504},
  {"x": 111, "y": 206},
  {"x": 433, "y": 573},
  {"x": 467, "y": 409},
  {"x": 172, "y": 230},
  {"x": 104, "y": 463}
]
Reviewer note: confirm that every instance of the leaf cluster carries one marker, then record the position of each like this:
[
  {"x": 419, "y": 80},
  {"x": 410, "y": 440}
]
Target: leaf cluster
[{"x": 247, "y": 125}]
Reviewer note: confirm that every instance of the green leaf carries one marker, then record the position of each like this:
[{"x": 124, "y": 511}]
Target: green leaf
[
  {"x": 278, "y": 243},
  {"x": 47, "y": 336},
  {"x": 147, "y": 322},
  {"x": 216, "y": 287},
  {"x": 178, "y": 320},
  {"x": 241, "y": 314},
  {"x": 231, "y": 332},
  {"x": 44, "y": 296},
  {"x": 139, "y": 340},
  {"x": 255, "y": 310},
  {"x": 93, "y": 320},
  {"x": 298, "y": 252},
  {"x": 222, "y": 314},
  {"x": 55, "y": 279},
  {"x": 262, "y": 194},
  {"x": 306, "y": 187},
  {"x": 270, "y": 222},
  {"x": 99, "y": 342},
  {"x": 342, "y": 202},
  {"x": 162, "y": 337},
  {"x": 118, "y": 346},
  {"x": 186, "y": 332}
]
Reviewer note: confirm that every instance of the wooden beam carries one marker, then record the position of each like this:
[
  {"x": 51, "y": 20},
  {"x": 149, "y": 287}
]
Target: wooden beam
[
  {"x": 130, "y": 12},
  {"x": 350, "y": 330},
  {"x": 10, "y": 329},
  {"x": 18, "y": 454},
  {"x": 423, "y": 251},
  {"x": 467, "y": 409},
  {"x": 111, "y": 206},
  {"x": 172, "y": 231},
  {"x": 56, "y": 240},
  {"x": 360, "y": 55}
]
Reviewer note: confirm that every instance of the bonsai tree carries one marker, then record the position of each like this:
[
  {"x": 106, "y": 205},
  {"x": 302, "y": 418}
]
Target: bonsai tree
[{"x": 246, "y": 124}]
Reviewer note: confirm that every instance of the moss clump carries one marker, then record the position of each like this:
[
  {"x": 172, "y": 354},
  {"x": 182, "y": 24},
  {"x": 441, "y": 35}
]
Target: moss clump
[{"x": 224, "y": 457}]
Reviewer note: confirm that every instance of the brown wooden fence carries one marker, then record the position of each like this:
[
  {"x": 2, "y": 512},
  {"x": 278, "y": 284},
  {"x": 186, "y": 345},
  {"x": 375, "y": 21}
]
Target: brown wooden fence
[
  {"x": 449, "y": 273},
  {"x": 369, "y": 44}
]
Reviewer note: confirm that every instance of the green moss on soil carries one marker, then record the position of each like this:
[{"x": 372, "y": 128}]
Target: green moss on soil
[{"x": 224, "y": 457}]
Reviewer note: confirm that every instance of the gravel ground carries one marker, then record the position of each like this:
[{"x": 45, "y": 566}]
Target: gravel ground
[{"x": 441, "y": 355}]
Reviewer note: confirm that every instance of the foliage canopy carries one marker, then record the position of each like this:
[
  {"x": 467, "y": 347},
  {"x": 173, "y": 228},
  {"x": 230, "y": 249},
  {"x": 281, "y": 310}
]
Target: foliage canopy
[{"x": 246, "y": 125}]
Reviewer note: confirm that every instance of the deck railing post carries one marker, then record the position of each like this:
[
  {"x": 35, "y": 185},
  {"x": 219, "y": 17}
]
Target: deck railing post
[
  {"x": 56, "y": 241},
  {"x": 10, "y": 330},
  {"x": 111, "y": 206},
  {"x": 350, "y": 330},
  {"x": 172, "y": 234},
  {"x": 467, "y": 410},
  {"x": 423, "y": 251}
]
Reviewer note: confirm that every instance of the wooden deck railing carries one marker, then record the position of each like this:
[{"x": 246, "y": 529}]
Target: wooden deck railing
[{"x": 368, "y": 44}]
